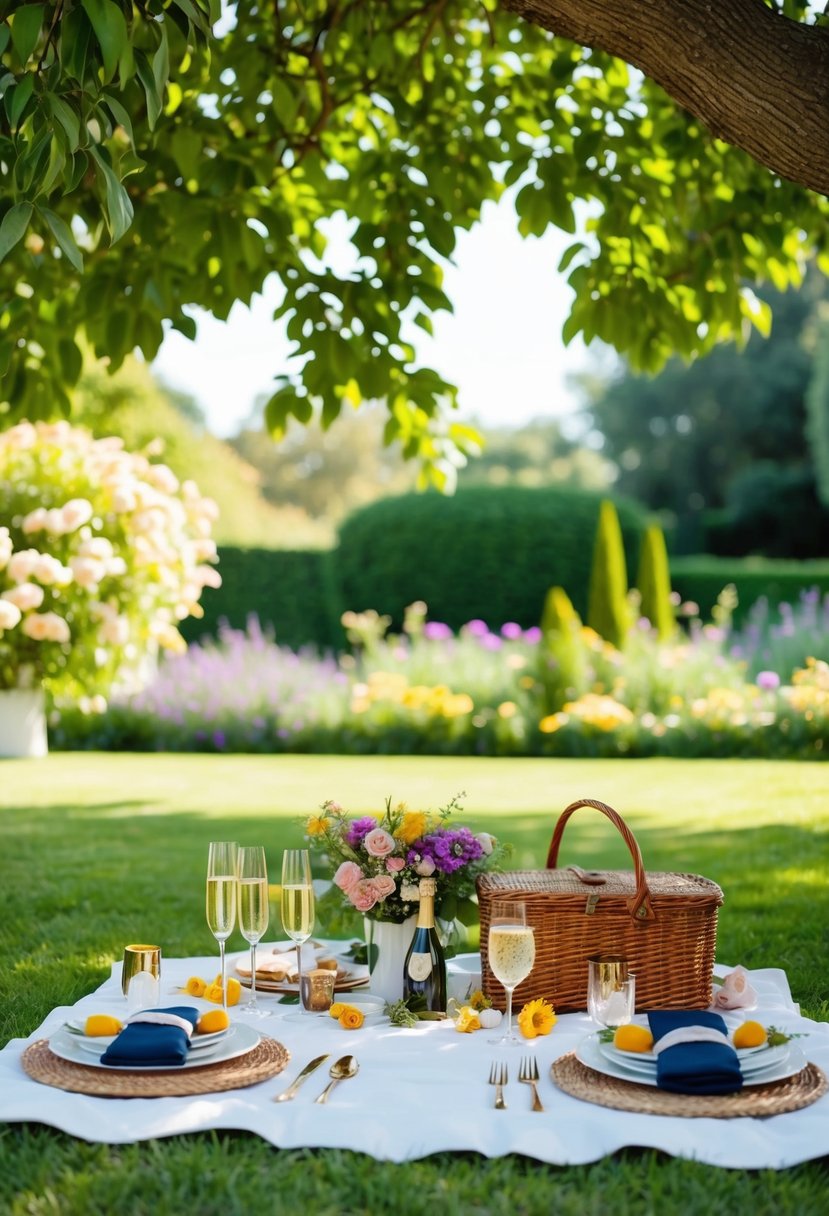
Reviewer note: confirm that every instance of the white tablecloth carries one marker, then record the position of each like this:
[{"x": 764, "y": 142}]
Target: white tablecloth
[{"x": 420, "y": 1091}]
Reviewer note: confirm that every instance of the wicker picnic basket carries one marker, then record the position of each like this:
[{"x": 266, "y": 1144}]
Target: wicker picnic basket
[{"x": 664, "y": 925}]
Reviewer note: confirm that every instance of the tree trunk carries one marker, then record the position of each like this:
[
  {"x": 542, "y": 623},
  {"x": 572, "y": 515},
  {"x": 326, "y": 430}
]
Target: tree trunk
[{"x": 755, "y": 78}]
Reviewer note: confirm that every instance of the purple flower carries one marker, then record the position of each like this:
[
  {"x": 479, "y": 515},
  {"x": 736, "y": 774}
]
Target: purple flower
[
  {"x": 491, "y": 641},
  {"x": 477, "y": 628},
  {"x": 219, "y": 739},
  {"x": 532, "y": 635},
  {"x": 359, "y": 829},
  {"x": 437, "y": 631},
  {"x": 511, "y": 631},
  {"x": 768, "y": 679},
  {"x": 449, "y": 848}
]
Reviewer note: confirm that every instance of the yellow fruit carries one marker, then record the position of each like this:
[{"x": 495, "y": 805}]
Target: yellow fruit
[
  {"x": 633, "y": 1038},
  {"x": 750, "y": 1034},
  {"x": 102, "y": 1024},
  {"x": 213, "y": 992},
  {"x": 234, "y": 991},
  {"x": 195, "y": 986},
  {"x": 213, "y": 1020}
]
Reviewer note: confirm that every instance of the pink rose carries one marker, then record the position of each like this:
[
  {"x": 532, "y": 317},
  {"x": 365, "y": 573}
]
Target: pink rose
[
  {"x": 383, "y": 885},
  {"x": 736, "y": 992},
  {"x": 363, "y": 895},
  {"x": 348, "y": 875},
  {"x": 379, "y": 843},
  {"x": 425, "y": 867},
  {"x": 395, "y": 864}
]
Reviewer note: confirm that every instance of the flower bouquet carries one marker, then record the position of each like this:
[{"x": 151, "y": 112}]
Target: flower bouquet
[{"x": 380, "y": 859}]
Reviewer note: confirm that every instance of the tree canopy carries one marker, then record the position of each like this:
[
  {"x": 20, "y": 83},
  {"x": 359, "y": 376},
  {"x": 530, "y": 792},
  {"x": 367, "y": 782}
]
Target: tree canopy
[{"x": 150, "y": 164}]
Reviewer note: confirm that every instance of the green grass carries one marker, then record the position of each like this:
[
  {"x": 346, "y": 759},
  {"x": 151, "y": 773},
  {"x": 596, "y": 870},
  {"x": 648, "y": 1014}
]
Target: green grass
[{"x": 100, "y": 850}]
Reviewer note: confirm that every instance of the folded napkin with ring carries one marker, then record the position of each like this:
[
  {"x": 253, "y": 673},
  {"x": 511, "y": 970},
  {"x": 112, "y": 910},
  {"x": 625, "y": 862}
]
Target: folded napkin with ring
[
  {"x": 693, "y": 1052},
  {"x": 154, "y": 1038}
]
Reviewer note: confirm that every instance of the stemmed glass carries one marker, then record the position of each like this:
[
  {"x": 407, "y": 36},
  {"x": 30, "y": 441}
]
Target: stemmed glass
[
  {"x": 221, "y": 897},
  {"x": 511, "y": 954},
  {"x": 253, "y": 912},
  {"x": 611, "y": 992},
  {"x": 297, "y": 903}
]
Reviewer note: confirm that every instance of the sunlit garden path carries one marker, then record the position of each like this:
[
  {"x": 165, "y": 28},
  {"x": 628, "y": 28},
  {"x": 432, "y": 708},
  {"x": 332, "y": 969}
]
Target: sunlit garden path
[{"x": 100, "y": 848}]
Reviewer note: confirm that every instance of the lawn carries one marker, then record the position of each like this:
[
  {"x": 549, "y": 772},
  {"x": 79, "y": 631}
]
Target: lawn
[{"x": 99, "y": 850}]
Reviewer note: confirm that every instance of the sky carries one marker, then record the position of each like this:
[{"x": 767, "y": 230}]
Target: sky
[{"x": 502, "y": 346}]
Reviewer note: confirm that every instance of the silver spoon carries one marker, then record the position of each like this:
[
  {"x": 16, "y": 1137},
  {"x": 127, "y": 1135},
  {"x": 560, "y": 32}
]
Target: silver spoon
[{"x": 340, "y": 1070}]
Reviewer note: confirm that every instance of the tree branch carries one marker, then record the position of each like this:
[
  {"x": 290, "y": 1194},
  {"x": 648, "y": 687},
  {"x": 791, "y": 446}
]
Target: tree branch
[{"x": 756, "y": 79}]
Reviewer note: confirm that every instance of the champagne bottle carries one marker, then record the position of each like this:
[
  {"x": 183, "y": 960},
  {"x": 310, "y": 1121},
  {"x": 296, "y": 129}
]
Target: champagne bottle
[{"x": 424, "y": 971}]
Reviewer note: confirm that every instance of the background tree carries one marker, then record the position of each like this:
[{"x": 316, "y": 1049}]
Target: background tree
[
  {"x": 727, "y": 433},
  {"x": 145, "y": 171}
]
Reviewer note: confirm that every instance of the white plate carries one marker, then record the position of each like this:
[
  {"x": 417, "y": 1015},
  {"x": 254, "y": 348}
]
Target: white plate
[
  {"x": 370, "y": 1006},
  {"x": 589, "y": 1053},
  {"x": 99, "y": 1042},
  {"x": 752, "y": 1059},
  {"x": 66, "y": 1045}
]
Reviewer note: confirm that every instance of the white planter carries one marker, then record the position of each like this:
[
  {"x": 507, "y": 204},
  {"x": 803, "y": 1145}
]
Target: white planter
[
  {"x": 392, "y": 942},
  {"x": 22, "y": 723}
]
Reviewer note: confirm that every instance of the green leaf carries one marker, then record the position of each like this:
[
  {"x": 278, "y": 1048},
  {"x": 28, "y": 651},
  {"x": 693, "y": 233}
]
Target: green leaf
[
  {"x": 120, "y": 115},
  {"x": 119, "y": 210},
  {"x": 14, "y": 225},
  {"x": 5, "y": 35},
  {"x": 26, "y": 25},
  {"x": 110, "y": 29},
  {"x": 20, "y": 98},
  {"x": 63, "y": 113},
  {"x": 71, "y": 360},
  {"x": 63, "y": 235},
  {"x": 154, "y": 98},
  {"x": 161, "y": 64}
]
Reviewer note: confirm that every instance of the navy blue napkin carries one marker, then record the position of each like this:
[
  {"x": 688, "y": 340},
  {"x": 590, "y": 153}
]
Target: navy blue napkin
[
  {"x": 149, "y": 1044},
  {"x": 694, "y": 1068}
]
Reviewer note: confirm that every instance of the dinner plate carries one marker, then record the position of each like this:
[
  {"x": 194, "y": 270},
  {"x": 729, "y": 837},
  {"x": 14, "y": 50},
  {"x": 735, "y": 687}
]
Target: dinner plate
[
  {"x": 64, "y": 1044},
  {"x": 588, "y": 1053},
  {"x": 204, "y": 1045},
  {"x": 752, "y": 1059}
]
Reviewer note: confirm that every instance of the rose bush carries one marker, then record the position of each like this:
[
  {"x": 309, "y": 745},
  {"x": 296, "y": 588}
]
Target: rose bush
[{"x": 102, "y": 554}]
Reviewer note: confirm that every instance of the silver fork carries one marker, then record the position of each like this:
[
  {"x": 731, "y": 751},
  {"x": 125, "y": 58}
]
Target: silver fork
[
  {"x": 498, "y": 1076},
  {"x": 528, "y": 1073}
]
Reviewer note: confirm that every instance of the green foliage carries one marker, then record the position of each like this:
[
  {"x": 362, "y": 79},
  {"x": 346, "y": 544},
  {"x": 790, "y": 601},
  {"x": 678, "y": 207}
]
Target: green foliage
[
  {"x": 562, "y": 661},
  {"x": 701, "y": 579},
  {"x": 149, "y": 171},
  {"x": 291, "y": 592},
  {"x": 686, "y": 441},
  {"x": 607, "y": 609},
  {"x": 653, "y": 582},
  {"x": 817, "y": 410},
  {"x": 485, "y": 552}
]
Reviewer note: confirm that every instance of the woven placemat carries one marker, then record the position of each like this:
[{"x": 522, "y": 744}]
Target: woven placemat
[
  {"x": 259, "y": 1064},
  {"x": 775, "y": 1098}
]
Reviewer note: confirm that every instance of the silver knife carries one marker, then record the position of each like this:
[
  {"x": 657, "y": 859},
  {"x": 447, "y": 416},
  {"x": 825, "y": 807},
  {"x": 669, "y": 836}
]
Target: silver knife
[{"x": 290, "y": 1092}]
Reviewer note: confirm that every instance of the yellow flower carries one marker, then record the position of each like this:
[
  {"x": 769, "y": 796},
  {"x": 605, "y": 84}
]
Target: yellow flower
[
  {"x": 351, "y": 1018},
  {"x": 537, "y": 1017},
  {"x": 317, "y": 825},
  {"x": 507, "y": 709},
  {"x": 467, "y": 1020},
  {"x": 412, "y": 826},
  {"x": 551, "y": 723},
  {"x": 478, "y": 1001},
  {"x": 195, "y": 986}
]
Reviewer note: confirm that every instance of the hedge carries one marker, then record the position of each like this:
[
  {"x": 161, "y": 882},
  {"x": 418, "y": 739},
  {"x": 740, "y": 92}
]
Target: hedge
[
  {"x": 484, "y": 553},
  {"x": 291, "y": 592},
  {"x": 701, "y": 579}
]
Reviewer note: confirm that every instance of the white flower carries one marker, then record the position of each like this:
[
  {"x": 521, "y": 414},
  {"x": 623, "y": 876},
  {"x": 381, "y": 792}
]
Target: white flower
[
  {"x": 6, "y": 547},
  {"x": 21, "y": 565},
  {"x": 10, "y": 615},
  {"x": 486, "y": 842},
  {"x": 76, "y": 513},
  {"x": 35, "y": 521},
  {"x": 24, "y": 596},
  {"x": 46, "y": 627}
]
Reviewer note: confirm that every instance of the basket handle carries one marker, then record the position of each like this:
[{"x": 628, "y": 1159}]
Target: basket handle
[{"x": 640, "y": 906}]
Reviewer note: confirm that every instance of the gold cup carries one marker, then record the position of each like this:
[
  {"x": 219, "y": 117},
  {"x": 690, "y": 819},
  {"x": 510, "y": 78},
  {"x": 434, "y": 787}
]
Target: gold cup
[
  {"x": 316, "y": 990},
  {"x": 138, "y": 959}
]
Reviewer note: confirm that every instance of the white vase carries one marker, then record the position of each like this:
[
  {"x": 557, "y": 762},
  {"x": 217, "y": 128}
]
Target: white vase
[
  {"x": 386, "y": 966},
  {"x": 22, "y": 723}
]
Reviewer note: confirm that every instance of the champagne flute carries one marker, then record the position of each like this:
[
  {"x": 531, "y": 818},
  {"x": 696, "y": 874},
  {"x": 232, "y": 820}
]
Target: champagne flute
[
  {"x": 221, "y": 897},
  {"x": 511, "y": 954},
  {"x": 297, "y": 903},
  {"x": 253, "y": 912}
]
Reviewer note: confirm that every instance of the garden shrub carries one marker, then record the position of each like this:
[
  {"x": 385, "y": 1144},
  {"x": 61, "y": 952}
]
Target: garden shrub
[
  {"x": 562, "y": 666},
  {"x": 486, "y": 552},
  {"x": 608, "y": 611},
  {"x": 701, "y": 579},
  {"x": 289, "y": 591},
  {"x": 653, "y": 582}
]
